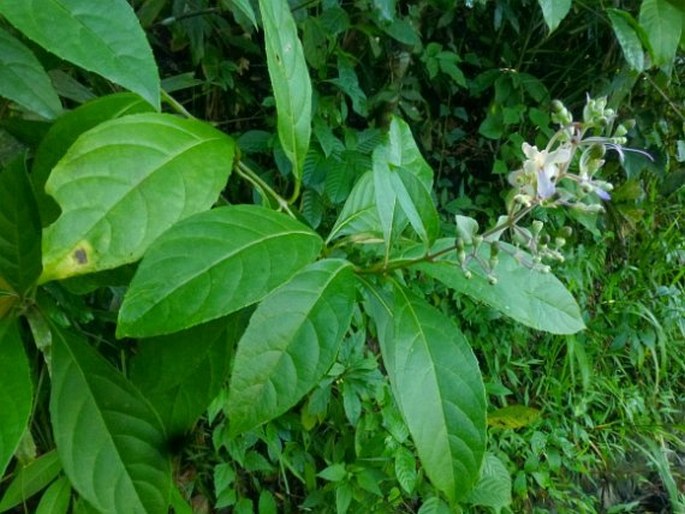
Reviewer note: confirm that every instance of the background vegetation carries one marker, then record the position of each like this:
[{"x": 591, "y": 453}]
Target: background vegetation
[{"x": 585, "y": 422}]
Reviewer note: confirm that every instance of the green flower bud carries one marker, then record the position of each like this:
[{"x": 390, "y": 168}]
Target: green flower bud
[
  {"x": 559, "y": 242},
  {"x": 477, "y": 241},
  {"x": 557, "y": 106},
  {"x": 536, "y": 227},
  {"x": 597, "y": 151},
  {"x": 492, "y": 280},
  {"x": 461, "y": 255},
  {"x": 468, "y": 275},
  {"x": 493, "y": 262},
  {"x": 629, "y": 124},
  {"x": 459, "y": 243},
  {"x": 621, "y": 130},
  {"x": 566, "y": 231}
]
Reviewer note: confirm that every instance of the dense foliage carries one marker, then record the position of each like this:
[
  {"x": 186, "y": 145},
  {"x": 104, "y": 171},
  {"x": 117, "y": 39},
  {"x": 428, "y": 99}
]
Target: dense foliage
[{"x": 366, "y": 256}]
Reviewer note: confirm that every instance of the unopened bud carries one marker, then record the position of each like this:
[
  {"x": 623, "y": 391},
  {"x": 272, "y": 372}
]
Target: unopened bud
[
  {"x": 536, "y": 227},
  {"x": 557, "y": 106},
  {"x": 493, "y": 262},
  {"x": 621, "y": 130},
  {"x": 629, "y": 124},
  {"x": 544, "y": 239},
  {"x": 461, "y": 255},
  {"x": 459, "y": 243},
  {"x": 597, "y": 151},
  {"x": 477, "y": 241},
  {"x": 468, "y": 275},
  {"x": 559, "y": 242},
  {"x": 492, "y": 280},
  {"x": 566, "y": 231}
]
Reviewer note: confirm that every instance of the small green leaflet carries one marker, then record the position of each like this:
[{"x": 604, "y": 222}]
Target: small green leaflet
[
  {"x": 212, "y": 264},
  {"x": 30, "y": 479},
  {"x": 16, "y": 391},
  {"x": 554, "y": 11},
  {"x": 126, "y": 181},
  {"x": 91, "y": 35},
  {"x": 290, "y": 343},
  {"x": 23, "y": 79},
  {"x": 289, "y": 80},
  {"x": 110, "y": 441}
]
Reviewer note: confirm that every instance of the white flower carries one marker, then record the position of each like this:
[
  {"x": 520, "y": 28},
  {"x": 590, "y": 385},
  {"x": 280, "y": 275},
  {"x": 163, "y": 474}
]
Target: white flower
[{"x": 544, "y": 165}]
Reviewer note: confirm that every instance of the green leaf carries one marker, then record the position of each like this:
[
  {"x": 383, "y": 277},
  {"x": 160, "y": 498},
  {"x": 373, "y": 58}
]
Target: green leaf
[
  {"x": 359, "y": 214},
  {"x": 289, "y": 80},
  {"x": 405, "y": 469},
  {"x": 110, "y": 441},
  {"x": 244, "y": 7},
  {"x": 438, "y": 387},
  {"x": 20, "y": 251},
  {"x": 125, "y": 182},
  {"x": 212, "y": 264},
  {"x": 623, "y": 25},
  {"x": 179, "y": 503},
  {"x": 16, "y": 391},
  {"x": 66, "y": 130},
  {"x": 180, "y": 374},
  {"x": 333, "y": 473},
  {"x": 494, "y": 487},
  {"x": 402, "y": 152},
  {"x": 513, "y": 416},
  {"x": 30, "y": 479},
  {"x": 55, "y": 499},
  {"x": 103, "y": 37},
  {"x": 538, "y": 300},
  {"x": 554, "y": 11},
  {"x": 663, "y": 23},
  {"x": 23, "y": 79},
  {"x": 435, "y": 505},
  {"x": 290, "y": 343}
]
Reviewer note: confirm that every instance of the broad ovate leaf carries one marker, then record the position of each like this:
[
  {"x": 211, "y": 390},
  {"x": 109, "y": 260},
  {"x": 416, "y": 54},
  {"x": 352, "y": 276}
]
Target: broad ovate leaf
[
  {"x": 19, "y": 228},
  {"x": 66, "y": 130},
  {"x": 16, "y": 391},
  {"x": 103, "y": 37},
  {"x": 538, "y": 300},
  {"x": 291, "y": 341},
  {"x": 212, "y": 264},
  {"x": 181, "y": 373},
  {"x": 126, "y": 181},
  {"x": 438, "y": 387},
  {"x": 290, "y": 81},
  {"x": 494, "y": 486},
  {"x": 110, "y": 441},
  {"x": 23, "y": 79}
]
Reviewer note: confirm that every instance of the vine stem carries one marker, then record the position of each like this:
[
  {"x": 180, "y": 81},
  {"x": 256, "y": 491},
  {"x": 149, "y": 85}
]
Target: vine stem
[{"x": 265, "y": 190}]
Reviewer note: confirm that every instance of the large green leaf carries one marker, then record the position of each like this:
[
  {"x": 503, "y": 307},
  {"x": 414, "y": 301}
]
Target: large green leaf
[
  {"x": 663, "y": 23},
  {"x": 180, "y": 374},
  {"x": 290, "y": 343},
  {"x": 30, "y": 479},
  {"x": 626, "y": 31},
  {"x": 538, "y": 300},
  {"x": 110, "y": 441},
  {"x": 64, "y": 133},
  {"x": 212, "y": 264},
  {"x": 125, "y": 182},
  {"x": 359, "y": 214},
  {"x": 438, "y": 388},
  {"x": 19, "y": 228},
  {"x": 104, "y": 37},
  {"x": 23, "y": 79},
  {"x": 554, "y": 11},
  {"x": 16, "y": 391},
  {"x": 289, "y": 79}
]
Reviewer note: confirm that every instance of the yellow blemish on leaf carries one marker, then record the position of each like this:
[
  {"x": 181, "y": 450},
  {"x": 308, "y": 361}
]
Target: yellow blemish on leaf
[{"x": 78, "y": 261}]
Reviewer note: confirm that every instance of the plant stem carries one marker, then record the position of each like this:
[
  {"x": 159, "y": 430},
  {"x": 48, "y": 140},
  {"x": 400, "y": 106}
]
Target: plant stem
[
  {"x": 175, "y": 105},
  {"x": 265, "y": 190}
]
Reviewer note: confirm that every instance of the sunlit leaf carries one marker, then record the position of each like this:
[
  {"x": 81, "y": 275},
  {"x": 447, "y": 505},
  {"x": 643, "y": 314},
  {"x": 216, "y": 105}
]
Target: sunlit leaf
[
  {"x": 513, "y": 416},
  {"x": 23, "y": 79},
  {"x": 212, "y": 264},
  {"x": 291, "y": 341},
  {"x": 104, "y": 37},
  {"x": 125, "y": 182},
  {"x": 110, "y": 441}
]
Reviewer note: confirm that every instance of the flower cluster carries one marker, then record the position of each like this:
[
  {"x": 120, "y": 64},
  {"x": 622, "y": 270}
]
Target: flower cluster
[{"x": 564, "y": 173}]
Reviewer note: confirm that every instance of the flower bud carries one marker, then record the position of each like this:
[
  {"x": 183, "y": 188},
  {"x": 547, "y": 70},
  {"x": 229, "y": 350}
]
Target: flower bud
[
  {"x": 477, "y": 241},
  {"x": 459, "y": 243},
  {"x": 566, "y": 231},
  {"x": 492, "y": 280},
  {"x": 621, "y": 130},
  {"x": 493, "y": 262},
  {"x": 557, "y": 106},
  {"x": 596, "y": 151},
  {"x": 461, "y": 255},
  {"x": 629, "y": 124},
  {"x": 536, "y": 227},
  {"x": 559, "y": 242},
  {"x": 468, "y": 275}
]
